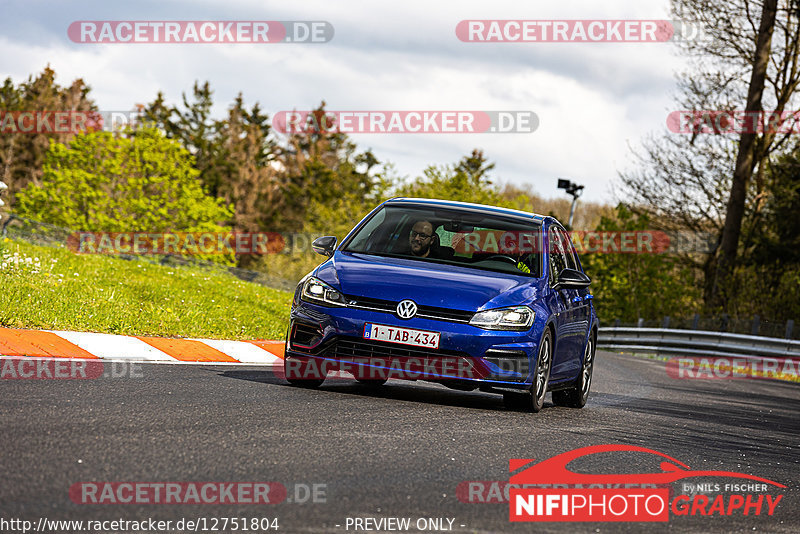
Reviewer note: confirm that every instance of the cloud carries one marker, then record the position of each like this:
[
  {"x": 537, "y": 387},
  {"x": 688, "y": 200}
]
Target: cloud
[{"x": 592, "y": 99}]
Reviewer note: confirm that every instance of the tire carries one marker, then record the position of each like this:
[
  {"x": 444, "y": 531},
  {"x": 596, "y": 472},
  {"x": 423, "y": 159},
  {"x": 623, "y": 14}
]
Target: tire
[
  {"x": 372, "y": 382},
  {"x": 576, "y": 396},
  {"x": 305, "y": 383},
  {"x": 297, "y": 375},
  {"x": 544, "y": 361}
]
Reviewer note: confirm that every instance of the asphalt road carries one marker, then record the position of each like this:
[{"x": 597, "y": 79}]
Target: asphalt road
[{"x": 397, "y": 451}]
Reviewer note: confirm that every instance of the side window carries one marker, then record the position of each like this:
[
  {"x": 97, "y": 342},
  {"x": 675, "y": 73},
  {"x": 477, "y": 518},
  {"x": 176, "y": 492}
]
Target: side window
[{"x": 558, "y": 261}]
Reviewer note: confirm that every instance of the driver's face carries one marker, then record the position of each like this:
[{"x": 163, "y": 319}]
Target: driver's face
[{"x": 420, "y": 238}]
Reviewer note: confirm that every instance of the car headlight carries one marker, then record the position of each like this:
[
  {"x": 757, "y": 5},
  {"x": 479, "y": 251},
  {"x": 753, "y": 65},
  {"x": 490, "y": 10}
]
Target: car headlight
[
  {"x": 513, "y": 318},
  {"x": 318, "y": 292}
]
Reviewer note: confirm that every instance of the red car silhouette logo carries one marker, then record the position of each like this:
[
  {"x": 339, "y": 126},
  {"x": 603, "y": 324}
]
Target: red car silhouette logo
[{"x": 554, "y": 470}]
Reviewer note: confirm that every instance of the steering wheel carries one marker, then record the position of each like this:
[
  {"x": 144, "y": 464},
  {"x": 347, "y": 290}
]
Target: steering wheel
[{"x": 504, "y": 258}]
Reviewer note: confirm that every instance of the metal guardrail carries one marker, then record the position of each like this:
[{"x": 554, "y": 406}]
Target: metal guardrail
[{"x": 695, "y": 343}]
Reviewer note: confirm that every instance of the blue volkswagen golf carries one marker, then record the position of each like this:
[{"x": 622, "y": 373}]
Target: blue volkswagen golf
[{"x": 466, "y": 295}]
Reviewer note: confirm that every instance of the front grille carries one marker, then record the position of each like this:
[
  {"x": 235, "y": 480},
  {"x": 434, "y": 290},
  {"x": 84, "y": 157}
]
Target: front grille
[
  {"x": 345, "y": 348},
  {"x": 408, "y": 362},
  {"x": 425, "y": 312}
]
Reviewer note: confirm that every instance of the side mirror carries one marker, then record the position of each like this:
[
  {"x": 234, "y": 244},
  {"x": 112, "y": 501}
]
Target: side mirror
[
  {"x": 572, "y": 279},
  {"x": 324, "y": 245}
]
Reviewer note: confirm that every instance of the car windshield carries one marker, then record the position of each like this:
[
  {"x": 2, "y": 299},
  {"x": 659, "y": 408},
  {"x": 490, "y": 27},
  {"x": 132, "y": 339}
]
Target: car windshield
[{"x": 466, "y": 238}]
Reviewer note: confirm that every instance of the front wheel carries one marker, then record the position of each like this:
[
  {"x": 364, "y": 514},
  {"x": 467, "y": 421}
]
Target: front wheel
[
  {"x": 576, "y": 397},
  {"x": 535, "y": 398},
  {"x": 298, "y": 372}
]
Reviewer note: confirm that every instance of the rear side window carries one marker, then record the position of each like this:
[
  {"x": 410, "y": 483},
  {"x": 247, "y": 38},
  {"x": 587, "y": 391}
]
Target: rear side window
[{"x": 569, "y": 250}]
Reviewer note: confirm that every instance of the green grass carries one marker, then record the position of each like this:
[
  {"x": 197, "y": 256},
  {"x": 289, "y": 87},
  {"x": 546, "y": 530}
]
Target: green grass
[{"x": 54, "y": 288}]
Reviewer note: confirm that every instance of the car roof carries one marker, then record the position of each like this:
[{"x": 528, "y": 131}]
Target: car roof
[{"x": 468, "y": 206}]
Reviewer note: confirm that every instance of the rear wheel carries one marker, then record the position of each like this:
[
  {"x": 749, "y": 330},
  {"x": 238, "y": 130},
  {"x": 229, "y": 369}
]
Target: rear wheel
[
  {"x": 535, "y": 398},
  {"x": 576, "y": 397}
]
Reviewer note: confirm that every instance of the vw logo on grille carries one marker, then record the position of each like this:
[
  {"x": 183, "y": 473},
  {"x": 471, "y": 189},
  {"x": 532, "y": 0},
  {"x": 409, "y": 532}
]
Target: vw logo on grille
[{"x": 406, "y": 309}]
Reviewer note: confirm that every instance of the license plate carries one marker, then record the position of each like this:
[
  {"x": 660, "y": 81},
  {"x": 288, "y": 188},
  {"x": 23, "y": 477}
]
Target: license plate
[{"x": 403, "y": 336}]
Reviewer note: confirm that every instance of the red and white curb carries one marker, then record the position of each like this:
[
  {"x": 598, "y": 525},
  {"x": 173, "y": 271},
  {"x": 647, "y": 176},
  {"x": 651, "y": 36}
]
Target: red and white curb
[{"x": 110, "y": 347}]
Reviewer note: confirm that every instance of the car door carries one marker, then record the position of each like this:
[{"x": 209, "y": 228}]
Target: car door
[
  {"x": 581, "y": 307},
  {"x": 561, "y": 306}
]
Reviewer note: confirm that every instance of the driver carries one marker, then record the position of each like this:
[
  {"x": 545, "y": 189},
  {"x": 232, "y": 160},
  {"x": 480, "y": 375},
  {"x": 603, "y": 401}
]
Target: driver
[
  {"x": 421, "y": 238},
  {"x": 424, "y": 243}
]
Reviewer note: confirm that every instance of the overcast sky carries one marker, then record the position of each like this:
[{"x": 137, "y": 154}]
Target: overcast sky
[{"x": 593, "y": 100}]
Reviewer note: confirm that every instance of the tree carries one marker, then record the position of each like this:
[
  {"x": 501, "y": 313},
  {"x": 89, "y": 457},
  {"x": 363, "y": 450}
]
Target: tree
[
  {"x": 745, "y": 157},
  {"x": 779, "y": 239},
  {"x": 630, "y": 286},
  {"x": 769, "y": 270},
  {"x": 248, "y": 178},
  {"x": 466, "y": 181},
  {"x": 685, "y": 181},
  {"x": 142, "y": 183},
  {"x": 22, "y": 154},
  {"x": 476, "y": 168},
  {"x": 328, "y": 184},
  {"x": 196, "y": 130}
]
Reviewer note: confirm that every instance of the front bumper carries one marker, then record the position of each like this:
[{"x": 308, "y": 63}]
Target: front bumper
[{"x": 331, "y": 339}]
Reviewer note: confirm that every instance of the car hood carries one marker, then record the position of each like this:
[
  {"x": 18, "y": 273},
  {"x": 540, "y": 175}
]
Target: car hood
[{"x": 426, "y": 283}]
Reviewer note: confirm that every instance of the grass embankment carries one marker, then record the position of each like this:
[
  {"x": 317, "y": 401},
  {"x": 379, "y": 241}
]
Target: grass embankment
[{"x": 53, "y": 288}]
